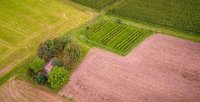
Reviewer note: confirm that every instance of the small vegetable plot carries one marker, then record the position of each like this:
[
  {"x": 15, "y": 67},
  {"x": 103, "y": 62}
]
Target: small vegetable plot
[{"x": 115, "y": 36}]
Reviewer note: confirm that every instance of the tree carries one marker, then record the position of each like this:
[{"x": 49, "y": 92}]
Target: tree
[
  {"x": 71, "y": 54},
  {"x": 58, "y": 77},
  {"x": 37, "y": 65},
  {"x": 58, "y": 44},
  {"x": 47, "y": 50}
]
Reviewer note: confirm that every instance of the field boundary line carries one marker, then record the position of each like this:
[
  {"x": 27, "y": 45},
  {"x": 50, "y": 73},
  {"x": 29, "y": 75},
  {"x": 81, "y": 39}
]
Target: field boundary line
[
  {"x": 6, "y": 44},
  {"x": 21, "y": 32},
  {"x": 5, "y": 56},
  {"x": 10, "y": 67}
]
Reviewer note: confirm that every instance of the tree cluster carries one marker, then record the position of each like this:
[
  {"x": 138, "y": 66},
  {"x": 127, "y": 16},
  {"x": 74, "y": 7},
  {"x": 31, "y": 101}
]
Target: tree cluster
[{"x": 63, "y": 53}]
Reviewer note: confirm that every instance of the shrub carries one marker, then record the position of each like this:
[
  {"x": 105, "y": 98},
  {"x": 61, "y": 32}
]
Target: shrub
[
  {"x": 37, "y": 65},
  {"x": 118, "y": 21},
  {"x": 58, "y": 77},
  {"x": 41, "y": 78},
  {"x": 56, "y": 62}
]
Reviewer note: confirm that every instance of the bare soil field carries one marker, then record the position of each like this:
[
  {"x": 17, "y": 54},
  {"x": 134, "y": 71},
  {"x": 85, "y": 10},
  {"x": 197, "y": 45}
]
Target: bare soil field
[
  {"x": 21, "y": 91},
  {"x": 161, "y": 69}
]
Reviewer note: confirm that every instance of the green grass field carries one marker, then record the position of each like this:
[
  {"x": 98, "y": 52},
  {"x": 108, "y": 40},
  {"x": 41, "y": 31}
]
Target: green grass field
[
  {"x": 177, "y": 14},
  {"x": 114, "y": 36},
  {"x": 24, "y": 24},
  {"x": 96, "y": 4}
]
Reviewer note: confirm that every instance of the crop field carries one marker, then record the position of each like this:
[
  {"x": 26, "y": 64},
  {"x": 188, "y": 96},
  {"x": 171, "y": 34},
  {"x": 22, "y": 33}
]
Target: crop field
[
  {"x": 24, "y": 24},
  {"x": 177, "y": 14},
  {"x": 117, "y": 37},
  {"x": 96, "y": 4},
  {"x": 21, "y": 91},
  {"x": 161, "y": 69}
]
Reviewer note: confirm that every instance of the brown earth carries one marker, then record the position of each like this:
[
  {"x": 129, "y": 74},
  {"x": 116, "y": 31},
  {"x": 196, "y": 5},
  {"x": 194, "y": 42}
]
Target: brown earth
[
  {"x": 161, "y": 69},
  {"x": 21, "y": 91}
]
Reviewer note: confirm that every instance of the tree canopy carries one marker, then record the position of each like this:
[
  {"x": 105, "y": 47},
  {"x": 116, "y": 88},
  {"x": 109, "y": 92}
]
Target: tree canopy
[
  {"x": 58, "y": 77},
  {"x": 37, "y": 65}
]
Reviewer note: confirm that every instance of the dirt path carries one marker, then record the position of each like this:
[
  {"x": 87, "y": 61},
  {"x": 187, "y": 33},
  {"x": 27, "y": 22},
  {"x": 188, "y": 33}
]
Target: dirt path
[{"x": 161, "y": 69}]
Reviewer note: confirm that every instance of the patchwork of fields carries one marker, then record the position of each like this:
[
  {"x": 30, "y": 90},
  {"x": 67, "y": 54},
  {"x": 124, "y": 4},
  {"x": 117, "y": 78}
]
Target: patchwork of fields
[
  {"x": 117, "y": 37},
  {"x": 177, "y": 14},
  {"x": 24, "y": 24},
  {"x": 161, "y": 69}
]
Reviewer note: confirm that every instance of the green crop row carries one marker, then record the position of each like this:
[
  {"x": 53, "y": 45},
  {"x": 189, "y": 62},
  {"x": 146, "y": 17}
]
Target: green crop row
[
  {"x": 183, "y": 15},
  {"x": 116, "y": 36}
]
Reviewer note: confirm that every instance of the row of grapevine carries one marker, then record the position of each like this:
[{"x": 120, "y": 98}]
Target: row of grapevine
[
  {"x": 132, "y": 39},
  {"x": 96, "y": 27},
  {"x": 117, "y": 36},
  {"x": 136, "y": 41},
  {"x": 99, "y": 26},
  {"x": 106, "y": 38}
]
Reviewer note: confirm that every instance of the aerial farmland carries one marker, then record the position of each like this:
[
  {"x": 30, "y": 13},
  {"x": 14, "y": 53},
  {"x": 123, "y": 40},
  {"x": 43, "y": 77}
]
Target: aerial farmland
[{"x": 99, "y": 51}]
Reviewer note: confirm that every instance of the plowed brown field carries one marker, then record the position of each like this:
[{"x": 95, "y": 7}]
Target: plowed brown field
[
  {"x": 161, "y": 69},
  {"x": 22, "y": 91}
]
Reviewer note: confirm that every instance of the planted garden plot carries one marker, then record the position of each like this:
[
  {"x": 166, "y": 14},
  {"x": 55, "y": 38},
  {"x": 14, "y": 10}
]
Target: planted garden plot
[{"x": 117, "y": 37}]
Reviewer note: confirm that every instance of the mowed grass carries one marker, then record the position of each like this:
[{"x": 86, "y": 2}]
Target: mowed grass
[
  {"x": 3, "y": 49},
  {"x": 117, "y": 37},
  {"x": 95, "y": 4},
  {"x": 183, "y": 15},
  {"x": 24, "y": 24}
]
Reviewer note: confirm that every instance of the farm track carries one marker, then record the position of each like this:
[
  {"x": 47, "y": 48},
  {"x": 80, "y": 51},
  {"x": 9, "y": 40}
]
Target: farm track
[{"x": 161, "y": 69}]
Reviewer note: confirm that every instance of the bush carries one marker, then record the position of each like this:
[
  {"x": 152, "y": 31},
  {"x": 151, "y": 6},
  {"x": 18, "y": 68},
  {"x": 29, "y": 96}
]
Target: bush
[
  {"x": 41, "y": 78},
  {"x": 56, "y": 62},
  {"x": 58, "y": 77},
  {"x": 37, "y": 65},
  {"x": 118, "y": 21}
]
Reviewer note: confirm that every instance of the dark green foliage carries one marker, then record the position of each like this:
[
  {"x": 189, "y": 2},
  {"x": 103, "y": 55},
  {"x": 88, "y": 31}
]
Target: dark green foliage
[
  {"x": 61, "y": 42},
  {"x": 41, "y": 78},
  {"x": 56, "y": 62},
  {"x": 37, "y": 65},
  {"x": 179, "y": 14},
  {"x": 58, "y": 44},
  {"x": 58, "y": 77},
  {"x": 47, "y": 50},
  {"x": 96, "y": 4},
  {"x": 71, "y": 54}
]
